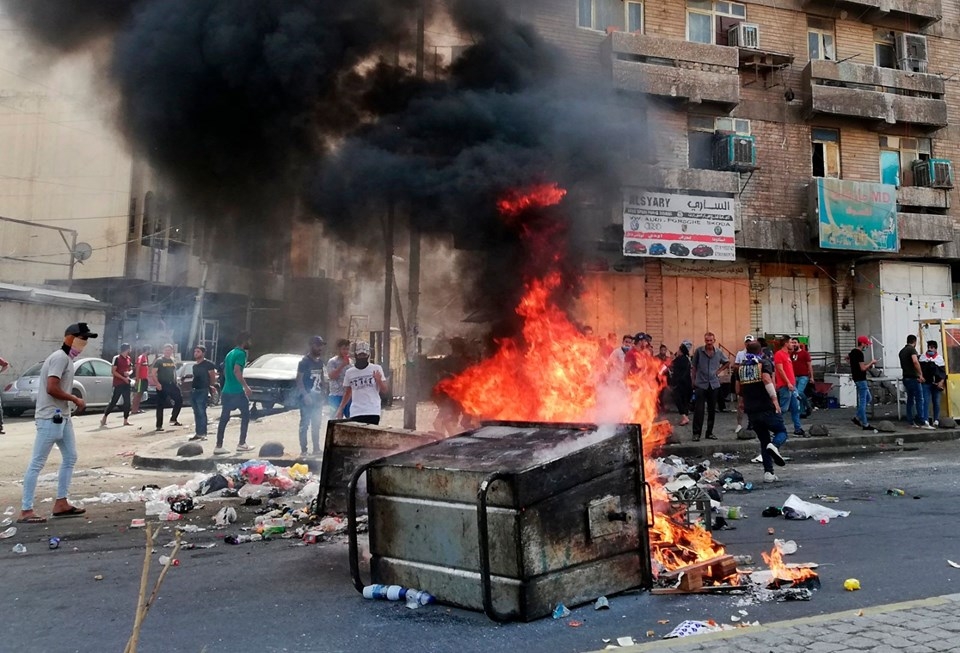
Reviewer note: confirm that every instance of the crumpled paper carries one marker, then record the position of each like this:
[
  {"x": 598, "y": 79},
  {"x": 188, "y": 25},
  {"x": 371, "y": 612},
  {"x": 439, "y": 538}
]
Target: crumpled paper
[
  {"x": 688, "y": 628},
  {"x": 806, "y": 510}
]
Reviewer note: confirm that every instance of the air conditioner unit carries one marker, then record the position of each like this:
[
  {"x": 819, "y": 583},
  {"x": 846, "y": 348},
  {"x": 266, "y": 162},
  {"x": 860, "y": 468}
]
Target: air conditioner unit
[
  {"x": 911, "y": 50},
  {"x": 735, "y": 152},
  {"x": 933, "y": 173},
  {"x": 744, "y": 35}
]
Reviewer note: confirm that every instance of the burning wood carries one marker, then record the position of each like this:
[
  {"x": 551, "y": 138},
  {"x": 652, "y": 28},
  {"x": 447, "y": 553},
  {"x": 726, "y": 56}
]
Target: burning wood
[
  {"x": 784, "y": 575},
  {"x": 721, "y": 570}
]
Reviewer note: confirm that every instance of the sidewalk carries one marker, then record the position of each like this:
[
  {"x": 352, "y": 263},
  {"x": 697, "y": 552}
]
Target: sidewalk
[
  {"x": 911, "y": 627},
  {"x": 159, "y": 451}
]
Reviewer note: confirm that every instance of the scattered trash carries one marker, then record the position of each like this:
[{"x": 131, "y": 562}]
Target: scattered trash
[
  {"x": 772, "y": 511},
  {"x": 190, "y": 528},
  {"x": 242, "y": 539},
  {"x": 953, "y": 564},
  {"x": 796, "y": 508},
  {"x": 10, "y": 510},
  {"x": 734, "y": 617},
  {"x": 771, "y": 530},
  {"x": 787, "y": 547},
  {"x": 688, "y": 628},
  {"x": 98, "y": 577},
  {"x": 6, "y": 522},
  {"x": 413, "y": 597},
  {"x": 625, "y": 641},
  {"x": 743, "y": 559},
  {"x": 851, "y": 584},
  {"x": 19, "y": 548},
  {"x": 225, "y": 516},
  {"x": 827, "y": 498},
  {"x": 602, "y": 604},
  {"x": 895, "y": 492},
  {"x": 165, "y": 560},
  {"x": 847, "y": 482},
  {"x": 54, "y": 543},
  {"x": 651, "y": 633},
  {"x": 574, "y": 624},
  {"x": 735, "y": 512},
  {"x": 10, "y": 532},
  {"x": 561, "y": 611}
]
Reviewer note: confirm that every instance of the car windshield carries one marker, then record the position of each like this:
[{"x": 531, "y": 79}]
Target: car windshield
[
  {"x": 276, "y": 362},
  {"x": 34, "y": 371}
]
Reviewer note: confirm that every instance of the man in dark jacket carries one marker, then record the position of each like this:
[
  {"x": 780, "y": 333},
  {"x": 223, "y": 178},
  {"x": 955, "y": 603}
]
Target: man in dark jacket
[{"x": 681, "y": 381}]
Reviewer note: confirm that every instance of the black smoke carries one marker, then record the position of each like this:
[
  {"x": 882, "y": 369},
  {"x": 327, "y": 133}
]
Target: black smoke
[{"x": 242, "y": 106}]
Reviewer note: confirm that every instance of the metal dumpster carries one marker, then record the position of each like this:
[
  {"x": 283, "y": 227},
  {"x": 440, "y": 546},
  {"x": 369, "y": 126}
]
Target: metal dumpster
[{"x": 511, "y": 518}]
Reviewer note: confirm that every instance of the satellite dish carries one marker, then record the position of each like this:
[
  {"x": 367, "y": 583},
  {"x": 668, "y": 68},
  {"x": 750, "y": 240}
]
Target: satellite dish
[{"x": 82, "y": 251}]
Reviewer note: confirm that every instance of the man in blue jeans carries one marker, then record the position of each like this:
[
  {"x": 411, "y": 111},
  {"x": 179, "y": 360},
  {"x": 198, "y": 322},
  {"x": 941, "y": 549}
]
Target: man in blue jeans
[
  {"x": 912, "y": 382},
  {"x": 760, "y": 403},
  {"x": 934, "y": 373},
  {"x": 235, "y": 395},
  {"x": 204, "y": 378},
  {"x": 858, "y": 371},
  {"x": 55, "y": 425}
]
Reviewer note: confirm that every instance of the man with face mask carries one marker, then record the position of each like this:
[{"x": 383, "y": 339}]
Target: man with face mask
[
  {"x": 362, "y": 385},
  {"x": 311, "y": 385},
  {"x": 616, "y": 362},
  {"x": 55, "y": 425}
]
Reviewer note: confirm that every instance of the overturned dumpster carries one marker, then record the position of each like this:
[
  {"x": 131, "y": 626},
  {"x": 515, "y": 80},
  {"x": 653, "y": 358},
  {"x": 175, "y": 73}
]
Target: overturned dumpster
[{"x": 510, "y": 518}]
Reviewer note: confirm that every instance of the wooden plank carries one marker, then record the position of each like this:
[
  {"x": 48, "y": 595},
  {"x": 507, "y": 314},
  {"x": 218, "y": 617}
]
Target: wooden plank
[
  {"x": 700, "y": 566},
  {"x": 690, "y": 581}
]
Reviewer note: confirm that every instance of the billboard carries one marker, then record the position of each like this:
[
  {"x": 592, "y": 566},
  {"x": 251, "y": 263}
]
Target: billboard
[
  {"x": 671, "y": 225},
  {"x": 858, "y": 215}
]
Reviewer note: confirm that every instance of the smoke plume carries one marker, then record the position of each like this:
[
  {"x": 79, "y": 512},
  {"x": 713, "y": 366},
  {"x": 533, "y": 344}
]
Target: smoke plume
[{"x": 244, "y": 105}]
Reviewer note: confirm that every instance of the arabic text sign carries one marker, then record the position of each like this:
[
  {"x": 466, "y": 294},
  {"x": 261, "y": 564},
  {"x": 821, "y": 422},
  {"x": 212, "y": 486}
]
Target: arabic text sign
[
  {"x": 857, "y": 215},
  {"x": 670, "y": 225}
]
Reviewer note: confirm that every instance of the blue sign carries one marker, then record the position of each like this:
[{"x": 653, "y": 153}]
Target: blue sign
[{"x": 859, "y": 215}]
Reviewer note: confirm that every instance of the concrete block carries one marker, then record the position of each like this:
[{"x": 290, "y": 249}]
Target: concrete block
[
  {"x": 948, "y": 423},
  {"x": 819, "y": 430},
  {"x": 189, "y": 450},
  {"x": 271, "y": 450},
  {"x": 885, "y": 426}
]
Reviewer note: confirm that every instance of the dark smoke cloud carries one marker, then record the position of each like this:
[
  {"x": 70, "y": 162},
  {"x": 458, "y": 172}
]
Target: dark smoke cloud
[{"x": 242, "y": 105}]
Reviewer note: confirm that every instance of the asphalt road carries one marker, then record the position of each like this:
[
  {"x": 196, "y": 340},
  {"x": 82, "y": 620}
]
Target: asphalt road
[{"x": 277, "y": 597}]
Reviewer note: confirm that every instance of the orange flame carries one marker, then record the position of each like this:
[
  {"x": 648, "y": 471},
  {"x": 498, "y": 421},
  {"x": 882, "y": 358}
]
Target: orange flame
[
  {"x": 554, "y": 373},
  {"x": 782, "y": 572}
]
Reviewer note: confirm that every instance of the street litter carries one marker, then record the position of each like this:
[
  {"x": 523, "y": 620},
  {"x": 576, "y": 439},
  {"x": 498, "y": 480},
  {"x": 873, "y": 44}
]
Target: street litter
[
  {"x": 953, "y": 564},
  {"x": 786, "y": 547},
  {"x": 224, "y": 516},
  {"x": 138, "y": 523},
  {"x": 10, "y": 532},
  {"x": 98, "y": 577},
  {"x": 796, "y": 508},
  {"x": 574, "y": 624},
  {"x": 825, "y": 497},
  {"x": 895, "y": 492},
  {"x": 688, "y": 627},
  {"x": 9, "y": 511},
  {"x": 19, "y": 548},
  {"x": 561, "y": 611},
  {"x": 851, "y": 584},
  {"x": 625, "y": 641},
  {"x": 602, "y": 604}
]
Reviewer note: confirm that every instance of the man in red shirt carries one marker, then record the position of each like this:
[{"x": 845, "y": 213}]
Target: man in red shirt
[
  {"x": 121, "y": 369},
  {"x": 786, "y": 381},
  {"x": 802, "y": 370},
  {"x": 143, "y": 377}
]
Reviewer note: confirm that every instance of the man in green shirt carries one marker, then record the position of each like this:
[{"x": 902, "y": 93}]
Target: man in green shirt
[{"x": 235, "y": 394}]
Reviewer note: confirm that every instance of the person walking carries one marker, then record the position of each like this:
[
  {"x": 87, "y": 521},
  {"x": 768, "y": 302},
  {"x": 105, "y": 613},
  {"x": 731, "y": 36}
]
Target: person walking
[
  {"x": 762, "y": 406},
  {"x": 786, "y": 381},
  {"x": 362, "y": 385},
  {"x": 311, "y": 384},
  {"x": 934, "y": 375},
  {"x": 164, "y": 376},
  {"x": 121, "y": 369},
  {"x": 142, "y": 377},
  {"x": 802, "y": 371},
  {"x": 913, "y": 379},
  {"x": 4, "y": 365},
  {"x": 737, "y": 362},
  {"x": 336, "y": 368},
  {"x": 235, "y": 394},
  {"x": 681, "y": 381},
  {"x": 55, "y": 425},
  {"x": 858, "y": 372},
  {"x": 204, "y": 380},
  {"x": 706, "y": 365}
]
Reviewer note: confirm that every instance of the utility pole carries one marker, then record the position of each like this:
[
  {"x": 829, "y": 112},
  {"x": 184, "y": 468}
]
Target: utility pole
[
  {"x": 411, "y": 394},
  {"x": 388, "y": 247}
]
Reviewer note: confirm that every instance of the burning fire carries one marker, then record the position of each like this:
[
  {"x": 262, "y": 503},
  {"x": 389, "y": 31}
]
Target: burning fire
[
  {"x": 554, "y": 373},
  {"x": 782, "y": 572}
]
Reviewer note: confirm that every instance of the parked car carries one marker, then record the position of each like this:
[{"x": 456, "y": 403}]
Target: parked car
[
  {"x": 679, "y": 249},
  {"x": 185, "y": 378},
  {"x": 703, "y": 250},
  {"x": 658, "y": 249},
  {"x": 635, "y": 247},
  {"x": 272, "y": 379},
  {"x": 92, "y": 382}
]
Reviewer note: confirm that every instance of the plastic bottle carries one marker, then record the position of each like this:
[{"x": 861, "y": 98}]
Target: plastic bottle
[
  {"x": 895, "y": 492},
  {"x": 156, "y": 507},
  {"x": 734, "y": 512},
  {"x": 165, "y": 560},
  {"x": 54, "y": 543},
  {"x": 242, "y": 539},
  {"x": 388, "y": 592},
  {"x": 57, "y": 417},
  {"x": 737, "y": 485},
  {"x": 19, "y": 548},
  {"x": 420, "y": 597},
  {"x": 170, "y": 516}
]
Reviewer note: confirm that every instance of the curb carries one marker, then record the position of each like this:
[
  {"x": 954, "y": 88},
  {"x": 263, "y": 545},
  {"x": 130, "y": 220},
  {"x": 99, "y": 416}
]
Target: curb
[
  {"x": 202, "y": 464},
  {"x": 708, "y": 638}
]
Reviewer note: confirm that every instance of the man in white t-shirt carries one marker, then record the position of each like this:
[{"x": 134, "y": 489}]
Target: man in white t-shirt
[{"x": 362, "y": 385}]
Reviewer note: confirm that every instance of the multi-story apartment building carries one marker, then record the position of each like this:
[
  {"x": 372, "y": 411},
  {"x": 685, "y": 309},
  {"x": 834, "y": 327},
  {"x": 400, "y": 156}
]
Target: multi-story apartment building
[{"x": 810, "y": 146}]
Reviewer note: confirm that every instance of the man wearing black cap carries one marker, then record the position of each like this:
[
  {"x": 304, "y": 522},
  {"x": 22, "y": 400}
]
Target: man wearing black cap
[
  {"x": 121, "y": 369},
  {"x": 311, "y": 382},
  {"x": 55, "y": 426}
]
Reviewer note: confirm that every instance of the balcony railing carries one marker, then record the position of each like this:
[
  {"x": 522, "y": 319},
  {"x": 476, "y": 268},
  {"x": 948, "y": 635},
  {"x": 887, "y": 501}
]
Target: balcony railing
[
  {"x": 883, "y": 95},
  {"x": 693, "y": 72}
]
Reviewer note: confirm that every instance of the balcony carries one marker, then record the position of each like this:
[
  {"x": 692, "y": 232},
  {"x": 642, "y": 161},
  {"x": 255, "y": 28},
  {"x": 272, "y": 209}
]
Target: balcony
[
  {"x": 925, "y": 227},
  {"x": 884, "y": 96},
  {"x": 923, "y": 198},
  {"x": 671, "y": 68},
  {"x": 684, "y": 179},
  {"x": 893, "y": 13}
]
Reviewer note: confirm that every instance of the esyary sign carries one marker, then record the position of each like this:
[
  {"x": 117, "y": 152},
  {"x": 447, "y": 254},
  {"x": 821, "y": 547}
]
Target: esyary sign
[{"x": 672, "y": 225}]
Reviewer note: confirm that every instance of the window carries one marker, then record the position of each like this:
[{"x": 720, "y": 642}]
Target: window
[
  {"x": 132, "y": 229},
  {"x": 601, "y": 14},
  {"x": 897, "y": 155},
  {"x": 708, "y": 21},
  {"x": 85, "y": 370},
  {"x": 820, "y": 41},
  {"x": 826, "y": 153},
  {"x": 884, "y": 49},
  {"x": 702, "y": 132},
  {"x": 101, "y": 368},
  {"x": 149, "y": 215},
  {"x": 634, "y": 16}
]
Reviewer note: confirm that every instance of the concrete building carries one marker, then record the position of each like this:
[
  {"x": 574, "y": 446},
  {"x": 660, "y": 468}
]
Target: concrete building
[
  {"x": 79, "y": 212},
  {"x": 809, "y": 144}
]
